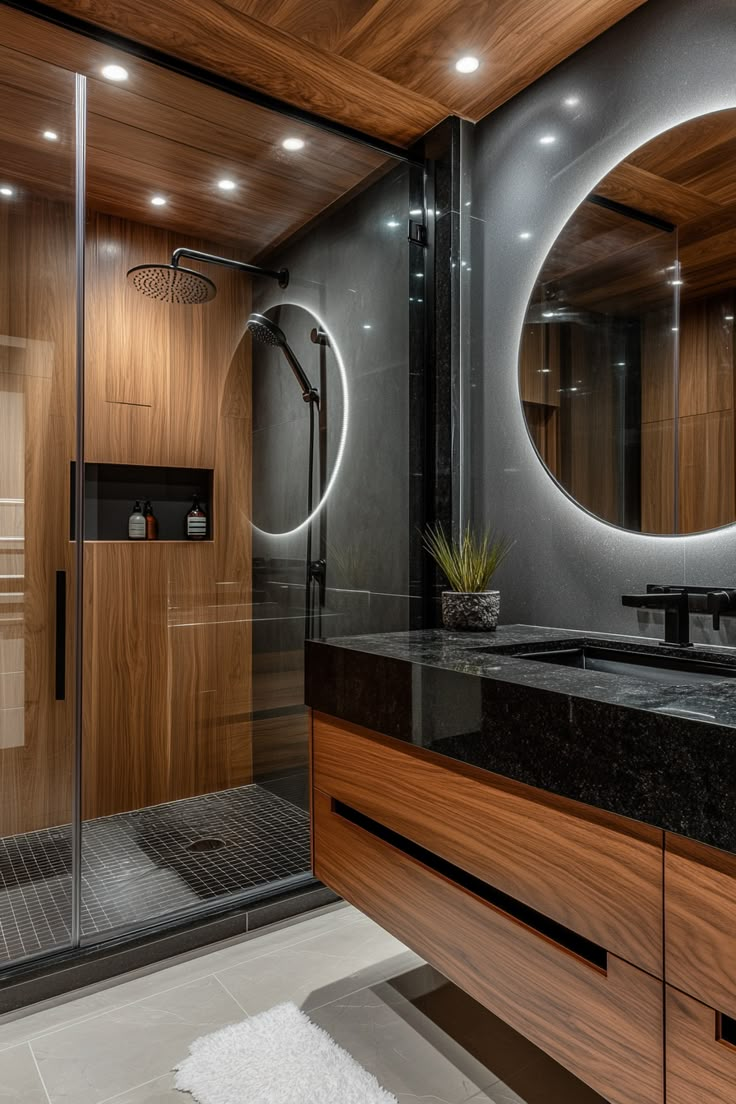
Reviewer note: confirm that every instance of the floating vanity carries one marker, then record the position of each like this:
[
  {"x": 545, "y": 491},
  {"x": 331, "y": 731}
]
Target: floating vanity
[{"x": 554, "y": 837}]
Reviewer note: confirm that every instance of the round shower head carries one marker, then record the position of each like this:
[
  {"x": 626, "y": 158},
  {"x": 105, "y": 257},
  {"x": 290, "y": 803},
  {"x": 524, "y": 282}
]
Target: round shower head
[
  {"x": 266, "y": 331},
  {"x": 171, "y": 284}
]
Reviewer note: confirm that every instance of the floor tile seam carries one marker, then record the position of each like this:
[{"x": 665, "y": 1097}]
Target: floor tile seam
[
  {"x": 102, "y": 1012},
  {"x": 38, "y": 1071}
]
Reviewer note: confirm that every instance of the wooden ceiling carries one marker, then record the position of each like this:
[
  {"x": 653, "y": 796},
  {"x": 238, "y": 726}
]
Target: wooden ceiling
[
  {"x": 605, "y": 260},
  {"x": 384, "y": 67},
  {"x": 162, "y": 134}
]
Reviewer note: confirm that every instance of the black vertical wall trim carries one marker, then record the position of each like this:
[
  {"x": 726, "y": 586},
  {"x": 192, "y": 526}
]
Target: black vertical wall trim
[{"x": 433, "y": 353}]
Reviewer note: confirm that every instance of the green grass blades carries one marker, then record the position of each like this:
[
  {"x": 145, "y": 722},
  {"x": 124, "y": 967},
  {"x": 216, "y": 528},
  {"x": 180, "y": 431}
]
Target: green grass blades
[{"x": 469, "y": 563}]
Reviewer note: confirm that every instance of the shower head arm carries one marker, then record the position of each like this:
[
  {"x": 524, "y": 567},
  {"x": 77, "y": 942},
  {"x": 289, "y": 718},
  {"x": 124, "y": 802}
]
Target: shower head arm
[
  {"x": 282, "y": 275},
  {"x": 309, "y": 394}
]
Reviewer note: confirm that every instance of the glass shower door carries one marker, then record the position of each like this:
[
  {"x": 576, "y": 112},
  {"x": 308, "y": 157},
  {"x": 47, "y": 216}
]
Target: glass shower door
[{"x": 37, "y": 556}]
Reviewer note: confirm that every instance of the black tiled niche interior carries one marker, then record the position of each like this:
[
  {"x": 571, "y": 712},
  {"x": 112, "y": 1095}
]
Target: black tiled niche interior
[{"x": 111, "y": 491}]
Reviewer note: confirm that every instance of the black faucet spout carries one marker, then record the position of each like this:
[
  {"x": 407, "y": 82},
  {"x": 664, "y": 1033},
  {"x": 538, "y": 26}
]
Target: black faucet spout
[{"x": 676, "y": 605}]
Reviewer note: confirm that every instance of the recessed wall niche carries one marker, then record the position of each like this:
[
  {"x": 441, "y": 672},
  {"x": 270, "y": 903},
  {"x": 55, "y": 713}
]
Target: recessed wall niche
[{"x": 111, "y": 490}]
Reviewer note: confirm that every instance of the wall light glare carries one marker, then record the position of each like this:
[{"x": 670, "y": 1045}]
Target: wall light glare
[
  {"x": 571, "y": 101},
  {"x": 115, "y": 73},
  {"x": 50, "y": 136},
  {"x": 226, "y": 185},
  {"x": 547, "y": 140},
  {"x": 293, "y": 144},
  {"x": 332, "y": 343},
  {"x": 525, "y": 235},
  {"x": 158, "y": 201}
]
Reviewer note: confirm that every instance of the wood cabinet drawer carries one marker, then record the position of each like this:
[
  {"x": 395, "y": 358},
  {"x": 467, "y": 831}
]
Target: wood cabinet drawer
[
  {"x": 597, "y": 874},
  {"x": 701, "y": 1065},
  {"x": 700, "y": 915},
  {"x": 603, "y": 1023}
]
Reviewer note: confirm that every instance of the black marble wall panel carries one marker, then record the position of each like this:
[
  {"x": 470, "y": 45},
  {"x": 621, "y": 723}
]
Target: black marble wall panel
[{"x": 669, "y": 61}]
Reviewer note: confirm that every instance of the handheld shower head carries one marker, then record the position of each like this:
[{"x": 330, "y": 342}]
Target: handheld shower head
[
  {"x": 171, "y": 284},
  {"x": 268, "y": 333}
]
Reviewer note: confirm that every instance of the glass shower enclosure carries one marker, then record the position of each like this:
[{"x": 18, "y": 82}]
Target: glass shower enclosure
[{"x": 153, "y": 737}]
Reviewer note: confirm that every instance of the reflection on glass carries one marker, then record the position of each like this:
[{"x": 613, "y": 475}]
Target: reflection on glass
[
  {"x": 37, "y": 445},
  {"x": 626, "y": 357}
]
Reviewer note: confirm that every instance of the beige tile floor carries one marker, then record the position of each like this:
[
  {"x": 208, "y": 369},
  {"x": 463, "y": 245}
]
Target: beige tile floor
[{"x": 423, "y": 1039}]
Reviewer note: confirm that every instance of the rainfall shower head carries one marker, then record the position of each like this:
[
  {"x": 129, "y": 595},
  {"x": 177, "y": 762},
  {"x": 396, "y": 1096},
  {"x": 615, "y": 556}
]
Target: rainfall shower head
[
  {"x": 171, "y": 284},
  {"x": 268, "y": 333}
]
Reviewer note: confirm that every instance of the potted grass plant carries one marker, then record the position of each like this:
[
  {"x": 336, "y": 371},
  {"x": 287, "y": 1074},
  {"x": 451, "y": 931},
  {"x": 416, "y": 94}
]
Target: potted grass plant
[{"x": 468, "y": 563}]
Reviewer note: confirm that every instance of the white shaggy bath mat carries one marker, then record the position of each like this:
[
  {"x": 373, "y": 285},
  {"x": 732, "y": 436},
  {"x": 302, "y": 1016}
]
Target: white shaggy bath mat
[{"x": 277, "y": 1057}]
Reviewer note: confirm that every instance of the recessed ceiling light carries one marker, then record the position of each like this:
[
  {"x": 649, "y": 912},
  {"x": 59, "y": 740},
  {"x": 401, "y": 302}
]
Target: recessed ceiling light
[
  {"x": 293, "y": 143},
  {"x": 467, "y": 64},
  {"x": 547, "y": 139},
  {"x": 115, "y": 73},
  {"x": 525, "y": 235},
  {"x": 51, "y": 136},
  {"x": 367, "y": 326},
  {"x": 571, "y": 101},
  {"x": 729, "y": 318},
  {"x": 393, "y": 223},
  {"x": 226, "y": 185},
  {"x": 6, "y": 191},
  {"x": 158, "y": 201},
  {"x": 415, "y": 211}
]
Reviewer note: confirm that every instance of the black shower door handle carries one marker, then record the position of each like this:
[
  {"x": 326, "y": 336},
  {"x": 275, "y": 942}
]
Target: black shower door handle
[{"x": 60, "y": 630}]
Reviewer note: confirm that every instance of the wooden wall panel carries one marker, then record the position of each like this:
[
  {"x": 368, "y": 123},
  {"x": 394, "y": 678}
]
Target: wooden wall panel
[
  {"x": 174, "y": 391},
  {"x": 658, "y": 477},
  {"x": 37, "y": 381},
  {"x": 706, "y": 464}
]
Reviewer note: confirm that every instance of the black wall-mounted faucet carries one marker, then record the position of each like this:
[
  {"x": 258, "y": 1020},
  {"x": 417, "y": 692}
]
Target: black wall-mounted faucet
[
  {"x": 678, "y": 602},
  {"x": 676, "y": 605}
]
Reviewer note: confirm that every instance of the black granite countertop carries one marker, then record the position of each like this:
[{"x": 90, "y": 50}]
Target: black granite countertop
[{"x": 664, "y": 754}]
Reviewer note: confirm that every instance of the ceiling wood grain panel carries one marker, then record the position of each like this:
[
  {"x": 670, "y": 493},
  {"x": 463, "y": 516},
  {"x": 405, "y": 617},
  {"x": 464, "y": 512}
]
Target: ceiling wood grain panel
[
  {"x": 385, "y": 67},
  {"x": 161, "y": 133}
]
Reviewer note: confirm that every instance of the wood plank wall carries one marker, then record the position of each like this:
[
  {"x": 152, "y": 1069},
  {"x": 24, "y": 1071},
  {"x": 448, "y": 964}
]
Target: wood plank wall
[
  {"x": 707, "y": 446},
  {"x": 167, "y": 695},
  {"x": 167, "y": 625},
  {"x": 37, "y": 428}
]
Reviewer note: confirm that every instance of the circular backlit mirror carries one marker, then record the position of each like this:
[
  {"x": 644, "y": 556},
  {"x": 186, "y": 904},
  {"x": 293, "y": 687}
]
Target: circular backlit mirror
[{"x": 626, "y": 365}]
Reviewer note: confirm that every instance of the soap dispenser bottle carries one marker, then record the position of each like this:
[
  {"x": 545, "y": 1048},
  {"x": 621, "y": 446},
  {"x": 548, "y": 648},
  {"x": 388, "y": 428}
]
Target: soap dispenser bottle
[
  {"x": 151, "y": 521},
  {"x": 137, "y": 523},
  {"x": 196, "y": 520}
]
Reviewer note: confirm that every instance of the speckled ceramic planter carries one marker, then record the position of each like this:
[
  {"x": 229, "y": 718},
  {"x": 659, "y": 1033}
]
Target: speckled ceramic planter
[{"x": 473, "y": 612}]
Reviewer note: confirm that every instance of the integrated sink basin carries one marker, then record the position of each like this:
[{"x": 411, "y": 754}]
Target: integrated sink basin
[{"x": 668, "y": 669}]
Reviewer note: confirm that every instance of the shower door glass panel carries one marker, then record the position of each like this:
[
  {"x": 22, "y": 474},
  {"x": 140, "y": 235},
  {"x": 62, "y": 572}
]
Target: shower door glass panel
[{"x": 37, "y": 448}]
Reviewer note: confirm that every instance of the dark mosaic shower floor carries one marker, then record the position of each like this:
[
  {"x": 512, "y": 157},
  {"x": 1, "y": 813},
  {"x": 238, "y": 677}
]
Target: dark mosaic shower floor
[{"x": 140, "y": 865}]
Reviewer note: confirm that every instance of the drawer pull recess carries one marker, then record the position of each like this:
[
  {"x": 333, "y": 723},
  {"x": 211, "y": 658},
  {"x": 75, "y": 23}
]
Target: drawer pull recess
[{"x": 568, "y": 940}]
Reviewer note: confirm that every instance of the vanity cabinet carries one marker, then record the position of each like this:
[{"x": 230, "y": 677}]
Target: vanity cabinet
[
  {"x": 701, "y": 1063},
  {"x": 700, "y": 908},
  {"x": 538, "y": 908}
]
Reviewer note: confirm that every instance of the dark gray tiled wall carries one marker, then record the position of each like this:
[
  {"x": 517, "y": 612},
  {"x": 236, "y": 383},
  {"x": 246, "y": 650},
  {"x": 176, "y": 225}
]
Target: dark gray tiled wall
[
  {"x": 669, "y": 61},
  {"x": 352, "y": 271}
]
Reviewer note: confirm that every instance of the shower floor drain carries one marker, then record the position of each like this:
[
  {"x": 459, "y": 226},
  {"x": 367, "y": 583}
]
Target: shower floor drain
[{"x": 207, "y": 845}]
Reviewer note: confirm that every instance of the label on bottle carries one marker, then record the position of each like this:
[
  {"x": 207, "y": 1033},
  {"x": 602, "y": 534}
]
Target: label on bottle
[
  {"x": 137, "y": 527},
  {"x": 196, "y": 526}
]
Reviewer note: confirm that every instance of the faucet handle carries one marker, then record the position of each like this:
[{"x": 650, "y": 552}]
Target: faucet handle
[{"x": 718, "y": 602}]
